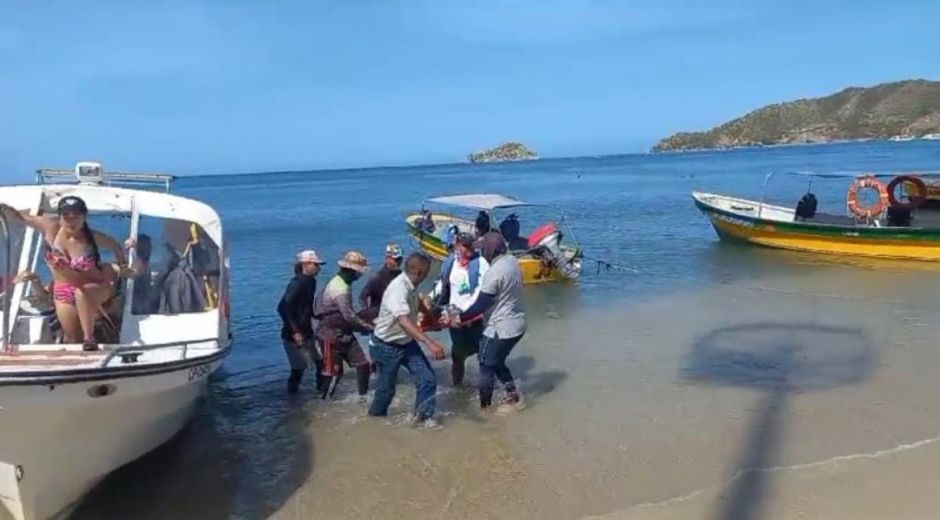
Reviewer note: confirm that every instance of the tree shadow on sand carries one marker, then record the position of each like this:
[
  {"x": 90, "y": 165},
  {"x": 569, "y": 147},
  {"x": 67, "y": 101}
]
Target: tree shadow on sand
[
  {"x": 244, "y": 454},
  {"x": 778, "y": 359}
]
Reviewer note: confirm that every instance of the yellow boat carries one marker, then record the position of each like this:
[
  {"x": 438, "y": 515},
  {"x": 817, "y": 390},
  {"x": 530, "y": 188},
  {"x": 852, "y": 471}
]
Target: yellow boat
[
  {"x": 759, "y": 223},
  {"x": 542, "y": 256}
]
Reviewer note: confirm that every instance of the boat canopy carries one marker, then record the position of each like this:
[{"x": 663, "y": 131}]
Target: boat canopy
[
  {"x": 103, "y": 199},
  {"x": 481, "y": 201}
]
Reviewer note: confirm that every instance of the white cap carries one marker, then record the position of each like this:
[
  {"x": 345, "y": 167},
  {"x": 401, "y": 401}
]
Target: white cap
[{"x": 309, "y": 255}]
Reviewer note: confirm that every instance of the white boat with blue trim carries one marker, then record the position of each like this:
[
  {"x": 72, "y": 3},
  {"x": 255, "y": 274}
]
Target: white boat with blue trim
[{"x": 70, "y": 417}]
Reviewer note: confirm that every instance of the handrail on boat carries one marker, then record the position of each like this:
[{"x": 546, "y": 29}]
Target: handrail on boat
[
  {"x": 109, "y": 178},
  {"x": 7, "y": 281},
  {"x": 120, "y": 351}
]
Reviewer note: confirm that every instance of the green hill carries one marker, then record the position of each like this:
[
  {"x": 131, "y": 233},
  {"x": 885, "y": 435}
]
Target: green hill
[
  {"x": 511, "y": 151},
  {"x": 903, "y": 108}
]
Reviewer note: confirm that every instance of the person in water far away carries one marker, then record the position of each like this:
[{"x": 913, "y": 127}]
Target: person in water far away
[
  {"x": 501, "y": 299},
  {"x": 394, "y": 343},
  {"x": 296, "y": 311}
]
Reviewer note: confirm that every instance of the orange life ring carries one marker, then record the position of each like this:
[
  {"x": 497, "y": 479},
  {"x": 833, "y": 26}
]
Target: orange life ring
[
  {"x": 867, "y": 182},
  {"x": 915, "y": 202}
]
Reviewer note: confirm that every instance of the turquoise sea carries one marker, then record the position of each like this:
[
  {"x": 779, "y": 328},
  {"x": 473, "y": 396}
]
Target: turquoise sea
[{"x": 633, "y": 398}]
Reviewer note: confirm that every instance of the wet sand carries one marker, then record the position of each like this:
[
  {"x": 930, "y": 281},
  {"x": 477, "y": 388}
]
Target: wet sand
[{"x": 804, "y": 396}]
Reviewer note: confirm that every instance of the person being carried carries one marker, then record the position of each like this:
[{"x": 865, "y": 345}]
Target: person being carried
[
  {"x": 80, "y": 283},
  {"x": 370, "y": 298},
  {"x": 337, "y": 323},
  {"x": 500, "y": 299},
  {"x": 459, "y": 285},
  {"x": 296, "y": 311},
  {"x": 394, "y": 343}
]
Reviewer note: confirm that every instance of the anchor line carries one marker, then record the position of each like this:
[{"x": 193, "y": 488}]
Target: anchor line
[{"x": 609, "y": 266}]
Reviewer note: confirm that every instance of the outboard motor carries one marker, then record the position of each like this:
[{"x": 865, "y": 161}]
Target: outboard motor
[
  {"x": 545, "y": 243},
  {"x": 806, "y": 207}
]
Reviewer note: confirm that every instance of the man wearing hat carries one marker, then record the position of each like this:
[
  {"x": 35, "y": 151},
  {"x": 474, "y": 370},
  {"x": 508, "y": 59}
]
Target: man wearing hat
[
  {"x": 296, "y": 311},
  {"x": 371, "y": 296},
  {"x": 338, "y": 323}
]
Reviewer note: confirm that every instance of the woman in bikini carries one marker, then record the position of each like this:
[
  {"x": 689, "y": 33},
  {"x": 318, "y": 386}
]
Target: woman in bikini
[{"x": 81, "y": 283}]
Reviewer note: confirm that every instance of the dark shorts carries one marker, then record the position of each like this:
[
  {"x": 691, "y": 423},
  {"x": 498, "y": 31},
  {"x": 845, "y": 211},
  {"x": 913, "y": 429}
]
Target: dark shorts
[
  {"x": 465, "y": 341},
  {"x": 339, "y": 348}
]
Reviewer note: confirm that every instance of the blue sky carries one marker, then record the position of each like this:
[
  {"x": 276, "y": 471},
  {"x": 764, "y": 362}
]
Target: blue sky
[{"x": 198, "y": 87}]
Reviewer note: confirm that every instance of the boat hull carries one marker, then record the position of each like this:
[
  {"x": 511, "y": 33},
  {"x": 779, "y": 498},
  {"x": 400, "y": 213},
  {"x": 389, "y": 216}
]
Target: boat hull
[
  {"x": 872, "y": 242},
  {"x": 534, "y": 271},
  {"x": 60, "y": 440}
]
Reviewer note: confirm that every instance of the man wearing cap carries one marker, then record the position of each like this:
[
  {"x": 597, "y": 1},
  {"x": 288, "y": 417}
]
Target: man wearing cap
[
  {"x": 459, "y": 285},
  {"x": 500, "y": 300},
  {"x": 371, "y": 296},
  {"x": 338, "y": 323},
  {"x": 296, "y": 311},
  {"x": 394, "y": 342}
]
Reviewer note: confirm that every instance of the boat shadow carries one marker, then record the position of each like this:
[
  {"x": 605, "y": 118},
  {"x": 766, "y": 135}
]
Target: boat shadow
[
  {"x": 244, "y": 454},
  {"x": 779, "y": 359}
]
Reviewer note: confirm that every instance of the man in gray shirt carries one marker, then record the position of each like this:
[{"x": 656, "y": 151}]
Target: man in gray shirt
[{"x": 500, "y": 299}]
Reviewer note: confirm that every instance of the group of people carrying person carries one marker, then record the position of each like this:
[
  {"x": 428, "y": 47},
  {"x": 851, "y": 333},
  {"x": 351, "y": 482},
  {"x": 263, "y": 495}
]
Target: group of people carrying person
[{"x": 477, "y": 297}]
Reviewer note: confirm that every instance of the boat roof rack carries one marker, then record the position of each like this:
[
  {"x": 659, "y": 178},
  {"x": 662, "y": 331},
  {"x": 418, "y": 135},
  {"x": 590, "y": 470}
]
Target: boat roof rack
[{"x": 91, "y": 173}]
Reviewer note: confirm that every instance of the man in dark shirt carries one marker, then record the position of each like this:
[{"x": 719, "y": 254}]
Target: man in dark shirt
[
  {"x": 371, "y": 296},
  {"x": 296, "y": 311}
]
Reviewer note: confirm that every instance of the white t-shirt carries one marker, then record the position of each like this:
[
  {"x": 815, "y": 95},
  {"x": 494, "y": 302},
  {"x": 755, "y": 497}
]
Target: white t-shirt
[{"x": 460, "y": 294}]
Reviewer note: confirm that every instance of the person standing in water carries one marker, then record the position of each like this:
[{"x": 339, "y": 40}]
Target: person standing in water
[
  {"x": 296, "y": 311},
  {"x": 500, "y": 299},
  {"x": 370, "y": 299},
  {"x": 459, "y": 285},
  {"x": 337, "y": 323},
  {"x": 394, "y": 343},
  {"x": 80, "y": 282}
]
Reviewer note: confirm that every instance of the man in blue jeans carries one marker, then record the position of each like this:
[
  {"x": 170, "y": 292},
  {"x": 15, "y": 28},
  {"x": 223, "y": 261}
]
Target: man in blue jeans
[
  {"x": 500, "y": 299},
  {"x": 394, "y": 343}
]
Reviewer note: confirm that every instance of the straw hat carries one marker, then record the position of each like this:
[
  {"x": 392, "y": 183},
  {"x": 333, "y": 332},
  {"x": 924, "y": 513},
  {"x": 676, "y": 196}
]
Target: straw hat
[{"x": 354, "y": 260}]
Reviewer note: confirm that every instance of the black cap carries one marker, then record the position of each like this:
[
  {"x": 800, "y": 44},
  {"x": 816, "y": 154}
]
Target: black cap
[{"x": 72, "y": 203}]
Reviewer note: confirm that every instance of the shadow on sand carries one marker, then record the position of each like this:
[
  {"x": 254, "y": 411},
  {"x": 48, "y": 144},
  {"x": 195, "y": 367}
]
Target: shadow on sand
[
  {"x": 244, "y": 454},
  {"x": 778, "y": 359}
]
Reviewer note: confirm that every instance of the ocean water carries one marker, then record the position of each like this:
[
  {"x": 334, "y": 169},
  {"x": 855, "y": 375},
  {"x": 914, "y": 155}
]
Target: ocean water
[{"x": 714, "y": 382}]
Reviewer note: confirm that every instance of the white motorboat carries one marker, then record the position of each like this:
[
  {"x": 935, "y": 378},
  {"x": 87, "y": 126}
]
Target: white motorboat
[
  {"x": 69, "y": 417},
  {"x": 931, "y": 137}
]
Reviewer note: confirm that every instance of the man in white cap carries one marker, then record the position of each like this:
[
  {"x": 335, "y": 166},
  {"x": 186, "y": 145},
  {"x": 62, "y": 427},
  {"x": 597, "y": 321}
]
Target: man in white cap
[
  {"x": 296, "y": 311},
  {"x": 338, "y": 323},
  {"x": 371, "y": 296}
]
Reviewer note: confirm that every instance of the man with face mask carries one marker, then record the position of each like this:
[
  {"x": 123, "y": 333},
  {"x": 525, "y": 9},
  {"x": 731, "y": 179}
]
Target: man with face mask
[
  {"x": 500, "y": 301},
  {"x": 459, "y": 285},
  {"x": 338, "y": 323}
]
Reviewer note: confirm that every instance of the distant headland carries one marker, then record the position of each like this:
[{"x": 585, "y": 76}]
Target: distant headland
[
  {"x": 901, "y": 110},
  {"x": 511, "y": 151}
]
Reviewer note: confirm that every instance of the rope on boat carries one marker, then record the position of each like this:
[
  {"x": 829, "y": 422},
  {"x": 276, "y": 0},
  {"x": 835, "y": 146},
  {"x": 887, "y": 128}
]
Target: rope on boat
[{"x": 608, "y": 266}]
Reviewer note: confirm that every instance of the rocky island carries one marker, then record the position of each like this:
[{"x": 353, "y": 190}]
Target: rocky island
[
  {"x": 510, "y": 151},
  {"x": 905, "y": 109}
]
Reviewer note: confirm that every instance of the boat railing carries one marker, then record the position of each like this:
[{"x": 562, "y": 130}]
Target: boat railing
[
  {"x": 130, "y": 353},
  {"x": 7, "y": 281},
  {"x": 106, "y": 178}
]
